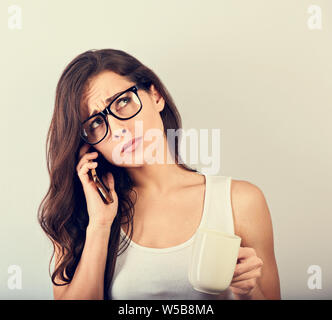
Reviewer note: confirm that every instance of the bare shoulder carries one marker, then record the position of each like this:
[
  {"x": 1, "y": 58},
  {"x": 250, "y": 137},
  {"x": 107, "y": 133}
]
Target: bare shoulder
[
  {"x": 253, "y": 223},
  {"x": 250, "y": 211}
]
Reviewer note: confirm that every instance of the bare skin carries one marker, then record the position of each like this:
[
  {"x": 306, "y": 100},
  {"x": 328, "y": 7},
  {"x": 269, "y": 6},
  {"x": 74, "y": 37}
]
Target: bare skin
[{"x": 162, "y": 221}]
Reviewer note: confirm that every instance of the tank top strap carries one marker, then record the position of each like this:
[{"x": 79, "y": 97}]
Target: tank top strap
[{"x": 219, "y": 211}]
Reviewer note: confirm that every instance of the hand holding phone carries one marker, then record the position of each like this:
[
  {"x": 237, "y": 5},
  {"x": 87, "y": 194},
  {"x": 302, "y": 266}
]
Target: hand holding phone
[{"x": 102, "y": 200}]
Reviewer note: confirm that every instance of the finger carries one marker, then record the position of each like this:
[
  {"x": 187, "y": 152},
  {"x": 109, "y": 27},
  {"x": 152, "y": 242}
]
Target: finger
[
  {"x": 83, "y": 172},
  {"x": 86, "y": 158},
  {"x": 245, "y": 284},
  {"x": 255, "y": 273},
  {"x": 244, "y": 288},
  {"x": 83, "y": 150},
  {"x": 246, "y": 252},
  {"x": 247, "y": 265},
  {"x": 236, "y": 290}
]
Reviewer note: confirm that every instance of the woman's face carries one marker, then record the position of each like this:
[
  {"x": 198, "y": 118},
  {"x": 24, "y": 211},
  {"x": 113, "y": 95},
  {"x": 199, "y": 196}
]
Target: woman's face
[{"x": 147, "y": 122}]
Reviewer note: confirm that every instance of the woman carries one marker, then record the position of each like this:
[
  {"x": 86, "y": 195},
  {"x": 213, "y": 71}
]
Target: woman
[{"x": 101, "y": 98}]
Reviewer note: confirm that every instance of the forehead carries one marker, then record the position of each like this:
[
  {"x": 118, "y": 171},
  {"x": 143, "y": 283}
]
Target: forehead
[{"x": 98, "y": 89}]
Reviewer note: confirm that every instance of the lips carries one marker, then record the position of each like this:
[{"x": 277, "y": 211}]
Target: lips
[{"x": 129, "y": 143}]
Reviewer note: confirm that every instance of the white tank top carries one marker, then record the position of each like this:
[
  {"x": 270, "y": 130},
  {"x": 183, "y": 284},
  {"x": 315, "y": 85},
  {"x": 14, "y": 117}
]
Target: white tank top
[{"x": 143, "y": 273}]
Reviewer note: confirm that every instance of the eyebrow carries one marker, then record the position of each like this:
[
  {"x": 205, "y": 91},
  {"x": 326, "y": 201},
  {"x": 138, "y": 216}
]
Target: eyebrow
[{"x": 108, "y": 100}]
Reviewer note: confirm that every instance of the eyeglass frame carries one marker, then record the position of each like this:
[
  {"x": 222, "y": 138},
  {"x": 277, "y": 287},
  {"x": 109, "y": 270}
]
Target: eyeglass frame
[{"x": 134, "y": 89}]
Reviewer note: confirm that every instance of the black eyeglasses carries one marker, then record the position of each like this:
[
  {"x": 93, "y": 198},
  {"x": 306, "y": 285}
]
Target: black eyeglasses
[{"x": 124, "y": 106}]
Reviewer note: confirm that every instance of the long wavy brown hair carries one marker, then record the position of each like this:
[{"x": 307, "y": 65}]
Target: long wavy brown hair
[{"x": 63, "y": 213}]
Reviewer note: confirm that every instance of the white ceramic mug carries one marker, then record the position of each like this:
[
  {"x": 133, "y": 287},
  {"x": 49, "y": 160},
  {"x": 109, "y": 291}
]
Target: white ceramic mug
[{"x": 213, "y": 260}]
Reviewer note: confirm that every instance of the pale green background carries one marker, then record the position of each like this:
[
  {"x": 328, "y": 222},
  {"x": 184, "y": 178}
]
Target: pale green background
[{"x": 254, "y": 68}]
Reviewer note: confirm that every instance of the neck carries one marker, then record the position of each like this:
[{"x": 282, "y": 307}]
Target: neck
[{"x": 158, "y": 177}]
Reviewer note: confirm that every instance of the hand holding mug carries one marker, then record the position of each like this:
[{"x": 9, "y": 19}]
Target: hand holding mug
[{"x": 247, "y": 270}]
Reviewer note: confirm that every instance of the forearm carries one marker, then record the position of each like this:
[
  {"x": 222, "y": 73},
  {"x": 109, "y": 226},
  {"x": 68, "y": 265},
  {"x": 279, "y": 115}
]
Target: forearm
[{"x": 88, "y": 280}]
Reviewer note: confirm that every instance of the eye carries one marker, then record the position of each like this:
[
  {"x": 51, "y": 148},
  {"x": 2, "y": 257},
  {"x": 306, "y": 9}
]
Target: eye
[
  {"x": 95, "y": 123},
  {"x": 122, "y": 102}
]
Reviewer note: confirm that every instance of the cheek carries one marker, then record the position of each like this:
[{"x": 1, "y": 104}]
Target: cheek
[
  {"x": 153, "y": 128},
  {"x": 146, "y": 121},
  {"x": 150, "y": 120}
]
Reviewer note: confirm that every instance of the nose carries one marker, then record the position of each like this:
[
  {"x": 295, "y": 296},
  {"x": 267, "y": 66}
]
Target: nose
[{"x": 115, "y": 128}]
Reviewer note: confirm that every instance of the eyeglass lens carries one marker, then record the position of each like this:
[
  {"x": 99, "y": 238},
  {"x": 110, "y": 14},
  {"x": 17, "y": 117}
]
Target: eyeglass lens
[{"x": 124, "y": 107}]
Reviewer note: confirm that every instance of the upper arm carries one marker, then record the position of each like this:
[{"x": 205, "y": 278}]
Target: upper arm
[{"x": 252, "y": 222}]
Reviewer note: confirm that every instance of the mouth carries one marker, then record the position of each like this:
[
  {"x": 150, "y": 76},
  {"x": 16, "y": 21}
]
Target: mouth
[{"x": 131, "y": 145}]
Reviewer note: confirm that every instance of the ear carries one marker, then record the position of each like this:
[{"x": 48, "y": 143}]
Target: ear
[{"x": 157, "y": 98}]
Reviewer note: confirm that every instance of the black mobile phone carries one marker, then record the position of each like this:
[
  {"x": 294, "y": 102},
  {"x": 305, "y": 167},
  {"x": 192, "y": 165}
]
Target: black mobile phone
[{"x": 103, "y": 190}]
